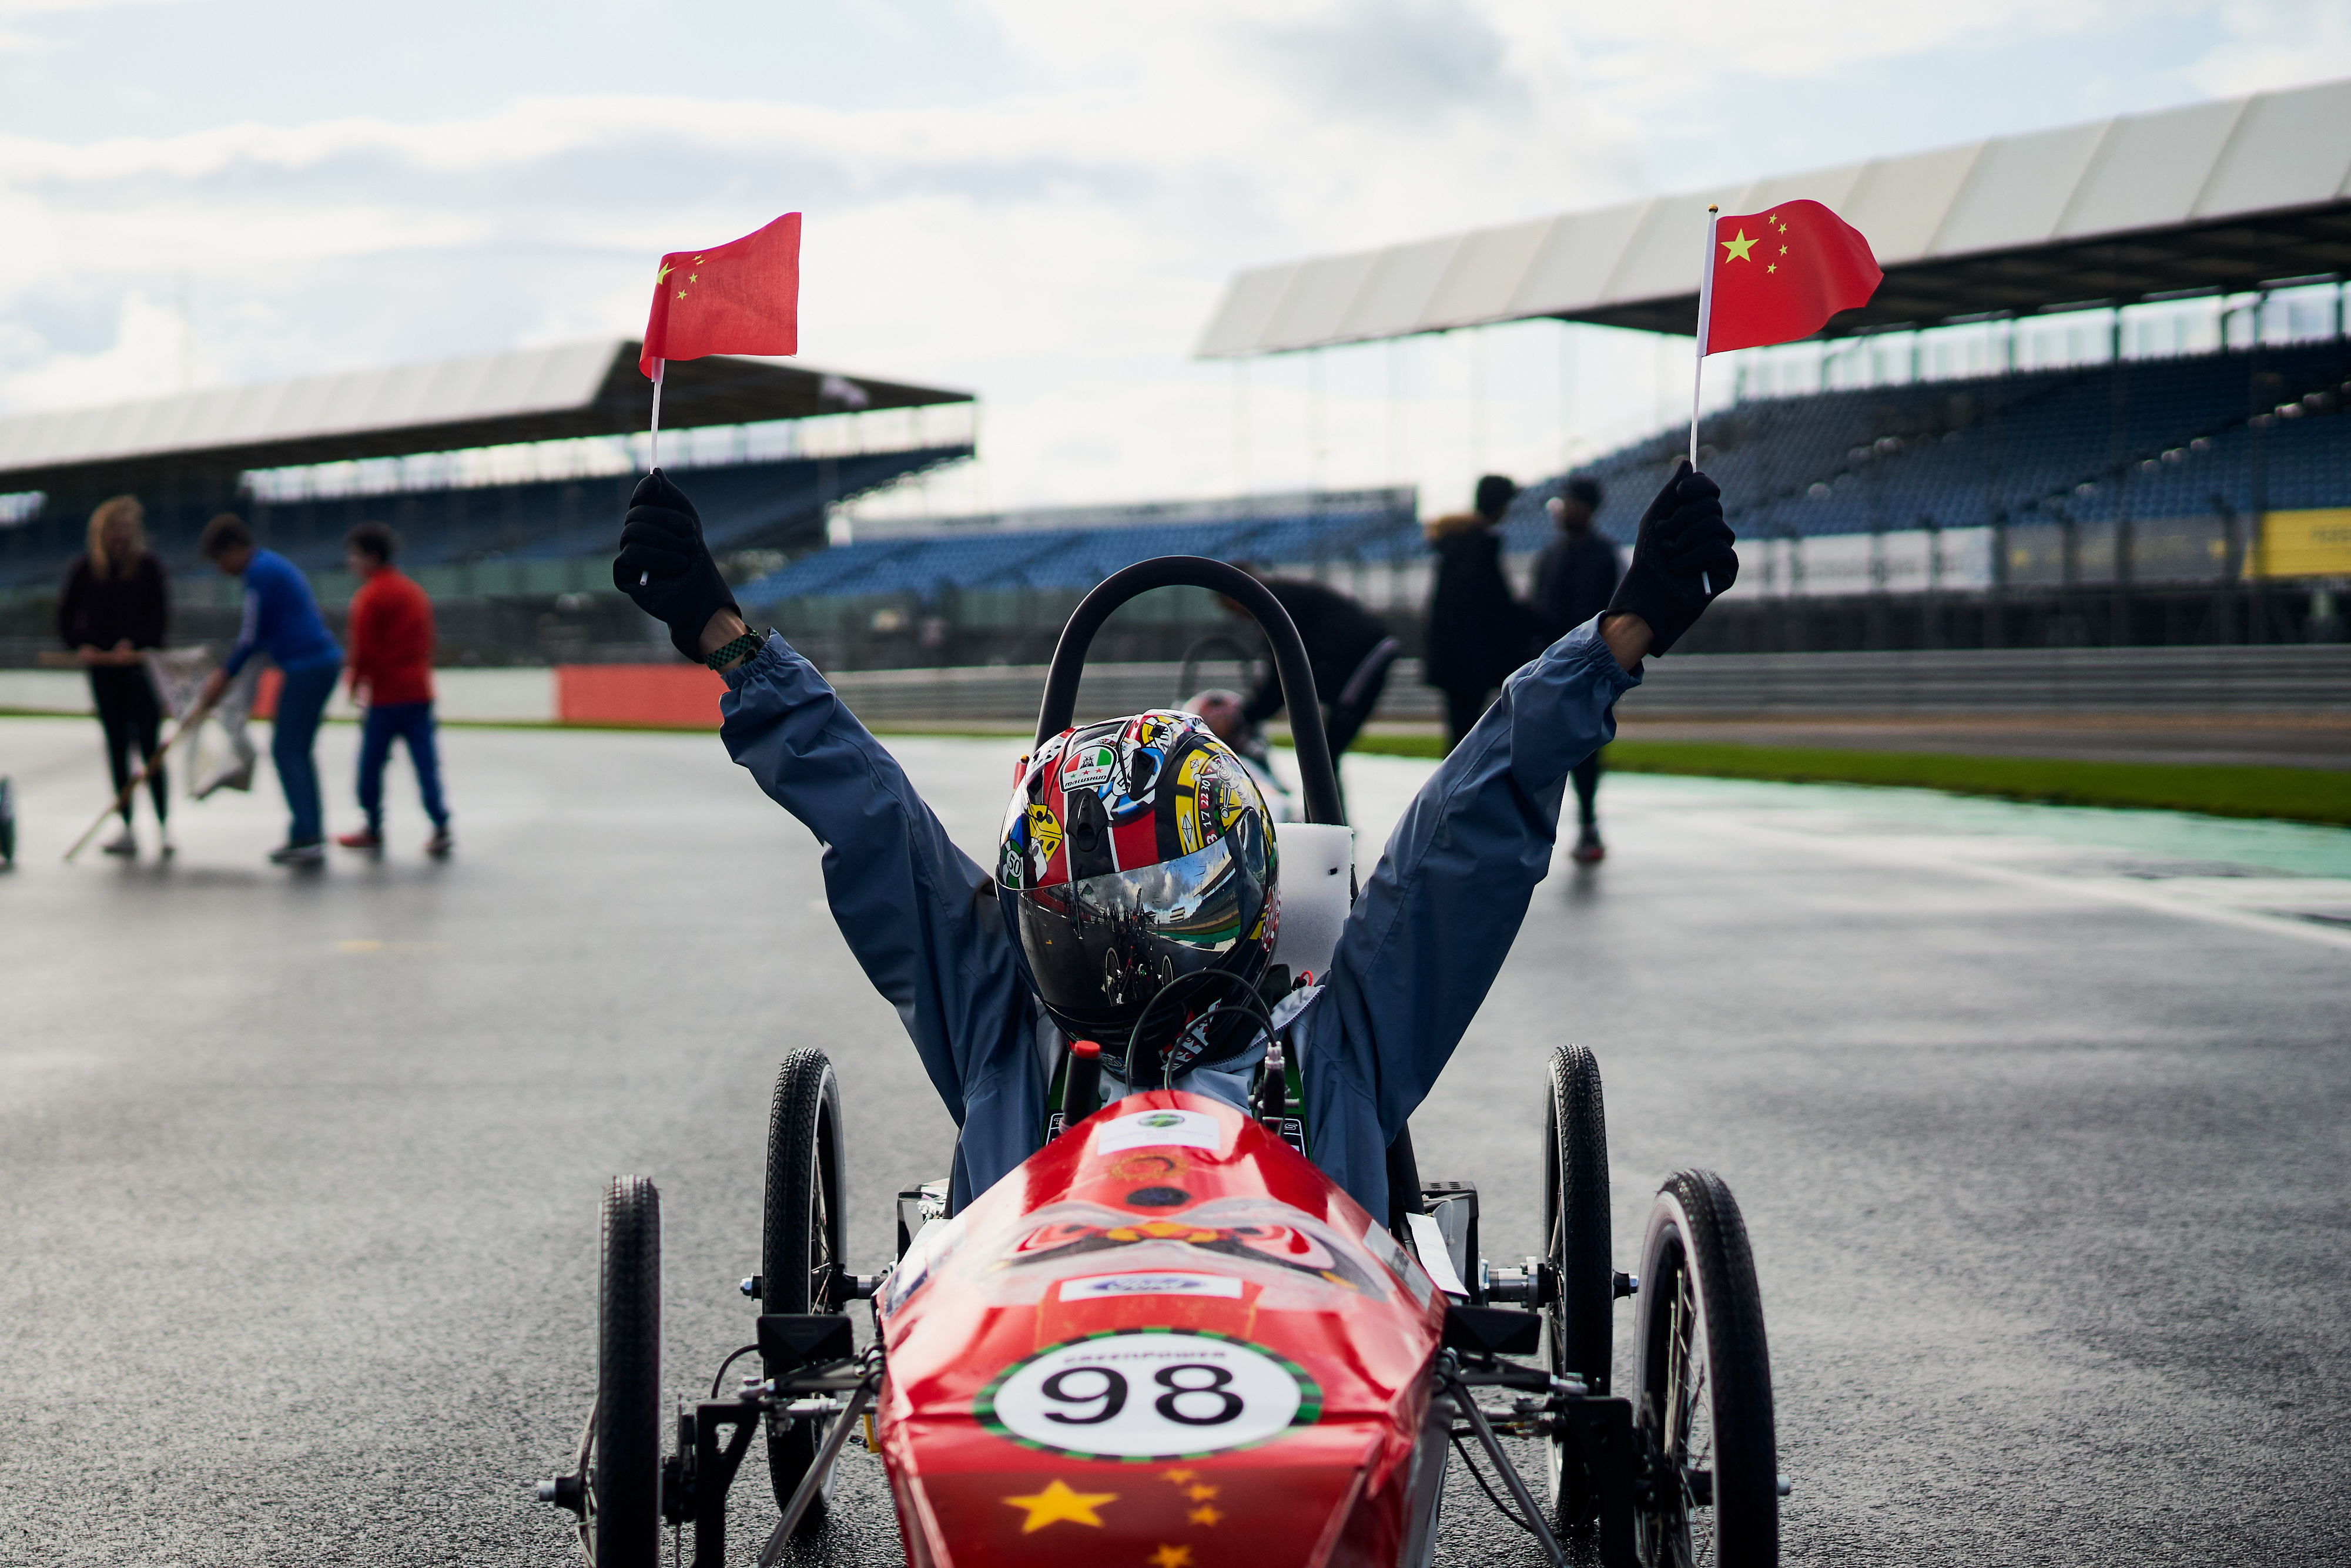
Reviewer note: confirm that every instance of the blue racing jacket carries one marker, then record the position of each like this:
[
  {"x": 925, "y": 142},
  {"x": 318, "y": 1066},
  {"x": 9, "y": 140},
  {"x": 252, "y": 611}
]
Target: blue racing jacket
[{"x": 1414, "y": 960}]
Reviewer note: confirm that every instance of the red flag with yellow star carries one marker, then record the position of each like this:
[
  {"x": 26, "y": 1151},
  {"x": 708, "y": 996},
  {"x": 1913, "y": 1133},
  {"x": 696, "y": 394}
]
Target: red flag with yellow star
[
  {"x": 1780, "y": 275},
  {"x": 740, "y": 298}
]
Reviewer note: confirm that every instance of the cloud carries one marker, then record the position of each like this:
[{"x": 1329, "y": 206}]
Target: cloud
[{"x": 1052, "y": 238}]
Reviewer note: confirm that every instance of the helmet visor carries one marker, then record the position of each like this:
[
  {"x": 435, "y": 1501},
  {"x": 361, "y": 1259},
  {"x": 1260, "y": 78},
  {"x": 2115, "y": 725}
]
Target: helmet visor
[{"x": 1101, "y": 947}]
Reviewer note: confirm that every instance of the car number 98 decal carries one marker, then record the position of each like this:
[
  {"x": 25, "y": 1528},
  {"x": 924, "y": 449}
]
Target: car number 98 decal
[{"x": 1148, "y": 1394}]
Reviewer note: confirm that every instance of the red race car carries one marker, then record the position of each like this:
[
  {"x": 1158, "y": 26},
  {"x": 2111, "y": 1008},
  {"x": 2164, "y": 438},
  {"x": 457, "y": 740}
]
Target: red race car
[{"x": 1169, "y": 1341}]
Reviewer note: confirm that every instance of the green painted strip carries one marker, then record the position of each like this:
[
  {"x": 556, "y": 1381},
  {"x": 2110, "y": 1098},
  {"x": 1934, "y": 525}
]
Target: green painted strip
[{"x": 2290, "y": 794}]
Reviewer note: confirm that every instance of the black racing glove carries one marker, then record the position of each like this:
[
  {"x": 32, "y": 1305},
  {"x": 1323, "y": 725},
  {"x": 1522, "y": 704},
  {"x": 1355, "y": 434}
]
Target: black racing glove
[
  {"x": 1682, "y": 559},
  {"x": 664, "y": 566}
]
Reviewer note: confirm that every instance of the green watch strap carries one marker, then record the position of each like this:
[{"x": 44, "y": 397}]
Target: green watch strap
[{"x": 743, "y": 647}]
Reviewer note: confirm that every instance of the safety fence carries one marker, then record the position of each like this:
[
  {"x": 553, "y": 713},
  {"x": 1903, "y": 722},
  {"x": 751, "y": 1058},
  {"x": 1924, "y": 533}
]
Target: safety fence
[{"x": 2314, "y": 680}]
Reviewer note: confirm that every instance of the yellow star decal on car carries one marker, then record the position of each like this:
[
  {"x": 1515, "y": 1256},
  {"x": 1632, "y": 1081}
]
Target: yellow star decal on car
[
  {"x": 1057, "y": 1503},
  {"x": 1738, "y": 247}
]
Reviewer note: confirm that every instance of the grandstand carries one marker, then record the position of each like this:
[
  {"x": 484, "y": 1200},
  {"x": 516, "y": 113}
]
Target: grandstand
[{"x": 504, "y": 473}]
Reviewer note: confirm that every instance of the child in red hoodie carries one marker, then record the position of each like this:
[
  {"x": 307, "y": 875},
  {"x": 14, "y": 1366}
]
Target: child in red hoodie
[{"x": 391, "y": 677}]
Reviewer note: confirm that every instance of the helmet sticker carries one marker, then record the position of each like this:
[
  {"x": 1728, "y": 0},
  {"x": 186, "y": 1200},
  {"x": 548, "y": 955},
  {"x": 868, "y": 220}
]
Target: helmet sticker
[
  {"x": 1044, "y": 835},
  {"x": 1089, "y": 765}
]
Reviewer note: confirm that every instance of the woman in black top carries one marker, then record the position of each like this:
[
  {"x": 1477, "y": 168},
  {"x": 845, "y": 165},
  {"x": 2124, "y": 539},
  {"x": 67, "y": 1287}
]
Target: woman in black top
[{"x": 115, "y": 602}]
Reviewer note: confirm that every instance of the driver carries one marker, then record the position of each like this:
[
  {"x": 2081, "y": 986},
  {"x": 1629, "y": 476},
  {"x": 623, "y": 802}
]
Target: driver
[{"x": 1137, "y": 877}]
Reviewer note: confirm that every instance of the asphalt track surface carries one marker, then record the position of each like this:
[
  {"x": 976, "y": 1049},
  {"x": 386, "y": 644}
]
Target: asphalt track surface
[{"x": 2038, "y": 1118}]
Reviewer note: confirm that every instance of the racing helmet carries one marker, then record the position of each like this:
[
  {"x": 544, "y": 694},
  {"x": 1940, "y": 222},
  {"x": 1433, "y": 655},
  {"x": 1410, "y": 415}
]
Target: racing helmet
[{"x": 1138, "y": 867}]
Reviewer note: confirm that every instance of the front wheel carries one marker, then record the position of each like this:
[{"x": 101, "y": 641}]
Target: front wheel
[
  {"x": 804, "y": 1238},
  {"x": 625, "y": 1493},
  {"x": 1578, "y": 1320},
  {"x": 1703, "y": 1386}
]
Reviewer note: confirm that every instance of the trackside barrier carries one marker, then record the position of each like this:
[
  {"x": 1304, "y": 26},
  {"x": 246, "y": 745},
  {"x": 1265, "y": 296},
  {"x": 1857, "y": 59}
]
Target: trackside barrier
[{"x": 2314, "y": 680}]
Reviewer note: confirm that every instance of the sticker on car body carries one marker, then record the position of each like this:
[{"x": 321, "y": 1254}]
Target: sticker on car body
[
  {"x": 1104, "y": 1287},
  {"x": 1147, "y": 1395},
  {"x": 1160, "y": 1129}
]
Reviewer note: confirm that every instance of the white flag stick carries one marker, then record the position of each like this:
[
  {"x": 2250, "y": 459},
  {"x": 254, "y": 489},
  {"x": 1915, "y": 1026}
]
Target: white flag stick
[
  {"x": 1705, "y": 320},
  {"x": 1697, "y": 374},
  {"x": 659, "y": 366}
]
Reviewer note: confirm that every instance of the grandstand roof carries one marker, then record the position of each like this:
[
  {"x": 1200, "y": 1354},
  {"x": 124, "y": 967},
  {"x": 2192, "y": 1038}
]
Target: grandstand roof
[
  {"x": 483, "y": 400},
  {"x": 2225, "y": 196}
]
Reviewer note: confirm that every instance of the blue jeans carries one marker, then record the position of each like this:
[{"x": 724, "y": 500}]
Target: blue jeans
[
  {"x": 411, "y": 722},
  {"x": 301, "y": 703}
]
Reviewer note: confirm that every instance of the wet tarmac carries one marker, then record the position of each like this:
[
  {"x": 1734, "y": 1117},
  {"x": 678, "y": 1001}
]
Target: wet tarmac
[{"x": 2038, "y": 1118}]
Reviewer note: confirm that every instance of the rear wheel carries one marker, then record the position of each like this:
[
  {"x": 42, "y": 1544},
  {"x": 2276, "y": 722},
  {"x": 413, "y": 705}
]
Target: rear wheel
[
  {"x": 1704, "y": 1399},
  {"x": 1577, "y": 1322},
  {"x": 626, "y": 1489},
  {"x": 804, "y": 1238}
]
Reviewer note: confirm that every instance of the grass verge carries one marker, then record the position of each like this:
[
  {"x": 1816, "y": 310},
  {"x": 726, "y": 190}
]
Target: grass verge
[{"x": 2292, "y": 794}]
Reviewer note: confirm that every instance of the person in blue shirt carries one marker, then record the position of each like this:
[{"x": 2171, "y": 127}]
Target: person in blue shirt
[
  {"x": 1414, "y": 957},
  {"x": 281, "y": 619}
]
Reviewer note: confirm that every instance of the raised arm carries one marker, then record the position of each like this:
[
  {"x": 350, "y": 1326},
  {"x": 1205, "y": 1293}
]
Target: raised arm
[
  {"x": 919, "y": 915},
  {"x": 1443, "y": 907}
]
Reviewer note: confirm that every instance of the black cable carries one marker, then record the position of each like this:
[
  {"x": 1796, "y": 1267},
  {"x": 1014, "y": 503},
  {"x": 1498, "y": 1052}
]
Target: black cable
[
  {"x": 1247, "y": 1005},
  {"x": 1479, "y": 1477},
  {"x": 725, "y": 1365}
]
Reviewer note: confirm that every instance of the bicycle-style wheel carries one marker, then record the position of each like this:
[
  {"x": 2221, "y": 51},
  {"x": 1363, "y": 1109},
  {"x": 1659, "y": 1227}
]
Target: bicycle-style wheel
[
  {"x": 1578, "y": 1320},
  {"x": 804, "y": 1238},
  {"x": 1704, "y": 1385},
  {"x": 625, "y": 1492}
]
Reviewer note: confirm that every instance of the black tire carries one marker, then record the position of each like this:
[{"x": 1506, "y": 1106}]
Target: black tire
[
  {"x": 1704, "y": 1385},
  {"x": 1578, "y": 1324},
  {"x": 626, "y": 1489},
  {"x": 803, "y": 1241}
]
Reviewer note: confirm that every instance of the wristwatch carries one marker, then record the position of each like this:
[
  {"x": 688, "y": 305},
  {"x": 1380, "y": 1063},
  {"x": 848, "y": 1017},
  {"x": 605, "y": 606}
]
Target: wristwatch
[{"x": 743, "y": 647}]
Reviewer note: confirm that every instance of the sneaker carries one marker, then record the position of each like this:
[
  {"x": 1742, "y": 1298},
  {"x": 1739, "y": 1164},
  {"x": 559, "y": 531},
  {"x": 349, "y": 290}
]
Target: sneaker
[
  {"x": 125, "y": 842},
  {"x": 308, "y": 851},
  {"x": 1589, "y": 850},
  {"x": 167, "y": 848},
  {"x": 365, "y": 839},
  {"x": 439, "y": 845}
]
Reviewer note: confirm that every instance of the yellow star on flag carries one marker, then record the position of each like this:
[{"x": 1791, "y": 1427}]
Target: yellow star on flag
[
  {"x": 1178, "y": 1476},
  {"x": 1171, "y": 1557},
  {"x": 1200, "y": 1493},
  {"x": 1773, "y": 268},
  {"x": 1739, "y": 248},
  {"x": 1206, "y": 1514},
  {"x": 664, "y": 272},
  {"x": 1057, "y": 1504}
]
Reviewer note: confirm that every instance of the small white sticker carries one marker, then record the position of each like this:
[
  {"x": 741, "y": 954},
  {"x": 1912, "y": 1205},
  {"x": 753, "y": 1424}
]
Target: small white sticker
[
  {"x": 1384, "y": 1247},
  {"x": 1160, "y": 1129},
  {"x": 1099, "y": 1287}
]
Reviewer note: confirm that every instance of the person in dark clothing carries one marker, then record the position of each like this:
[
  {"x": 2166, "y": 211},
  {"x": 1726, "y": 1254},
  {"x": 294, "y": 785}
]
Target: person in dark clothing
[
  {"x": 1347, "y": 647},
  {"x": 1478, "y": 631},
  {"x": 1575, "y": 578},
  {"x": 115, "y": 604}
]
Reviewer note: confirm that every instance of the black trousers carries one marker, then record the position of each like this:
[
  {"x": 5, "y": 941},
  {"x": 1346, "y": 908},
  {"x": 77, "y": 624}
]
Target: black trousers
[
  {"x": 127, "y": 711},
  {"x": 1587, "y": 789},
  {"x": 1464, "y": 707}
]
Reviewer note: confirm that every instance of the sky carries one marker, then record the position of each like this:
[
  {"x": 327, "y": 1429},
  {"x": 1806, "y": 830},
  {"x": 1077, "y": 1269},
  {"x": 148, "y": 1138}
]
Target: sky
[{"x": 1039, "y": 201}]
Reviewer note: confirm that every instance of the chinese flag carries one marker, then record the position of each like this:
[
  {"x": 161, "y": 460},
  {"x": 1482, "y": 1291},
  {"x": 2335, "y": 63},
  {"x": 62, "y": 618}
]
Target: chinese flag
[
  {"x": 740, "y": 298},
  {"x": 1779, "y": 276}
]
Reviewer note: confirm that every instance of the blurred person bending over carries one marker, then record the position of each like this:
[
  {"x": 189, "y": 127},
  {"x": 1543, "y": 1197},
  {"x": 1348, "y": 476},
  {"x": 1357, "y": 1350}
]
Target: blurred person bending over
[
  {"x": 115, "y": 602},
  {"x": 1575, "y": 578},
  {"x": 391, "y": 678},
  {"x": 1478, "y": 631},
  {"x": 281, "y": 618},
  {"x": 1347, "y": 646}
]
